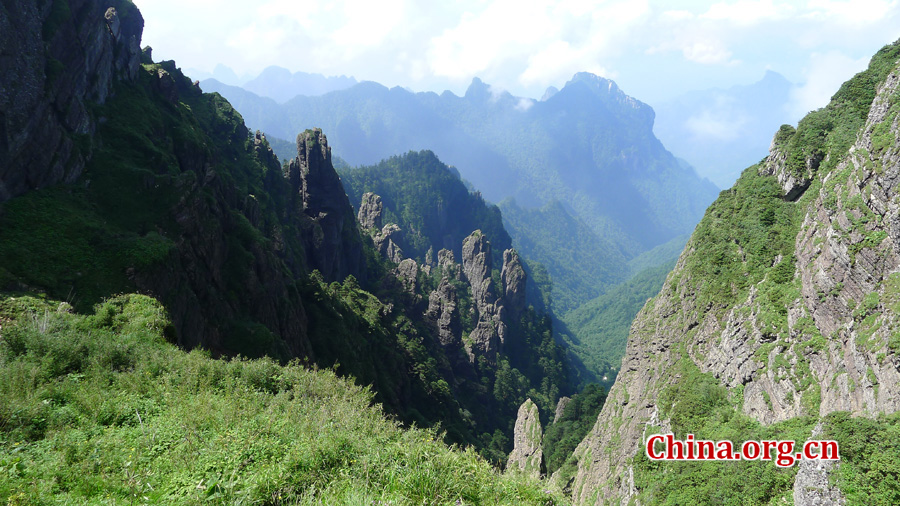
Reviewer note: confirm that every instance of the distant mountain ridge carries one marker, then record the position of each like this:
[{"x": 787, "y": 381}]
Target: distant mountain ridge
[
  {"x": 589, "y": 145},
  {"x": 281, "y": 85},
  {"x": 722, "y": 131},
  {"x": 277, "y": 83}
]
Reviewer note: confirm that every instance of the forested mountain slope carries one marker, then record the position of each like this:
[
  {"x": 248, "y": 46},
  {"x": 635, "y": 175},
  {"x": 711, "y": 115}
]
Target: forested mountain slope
[{"x": 778, "y": 322}]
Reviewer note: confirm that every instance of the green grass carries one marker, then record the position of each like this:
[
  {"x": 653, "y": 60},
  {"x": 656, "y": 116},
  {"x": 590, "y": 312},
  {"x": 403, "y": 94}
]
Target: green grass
[
  {"x": 699, "y": 405},
  {"x": 869, "y": 473},
  {"x": 100, "y": 409}
]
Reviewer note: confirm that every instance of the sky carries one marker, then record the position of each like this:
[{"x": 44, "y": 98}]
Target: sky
[{"x": 654, "y": 50}]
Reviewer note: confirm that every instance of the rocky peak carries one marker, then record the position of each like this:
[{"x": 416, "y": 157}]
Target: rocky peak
[
  {"x": 386, "y": 242},
  {"x": 408, "y": 273},
  {"x": 447, "y": 264},
  {"x": 476, "y": 261},
  {"x": 608, "y": 93},
  {"x": 527, "y": 455},
  {"x": 561, "y": 407},
  {"x": 490, "y": 331},
  {"x": 513, "y": 278},
  {"x": 370, "y": 209},
  {"x": 264, "y": 151},
  {"x": 312, "y": 175},
  {"x": 333, "y": 243},
  {"x": 442, "y": 310}
]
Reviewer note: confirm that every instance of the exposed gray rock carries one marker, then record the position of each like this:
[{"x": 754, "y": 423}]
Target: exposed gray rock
[
  {"x": 811, "y": 485},
  {"x": 443, "y": 311},
  {"x": 408, "y": 272},
  {"x": 527, "y": 455},
  {"x": 51, "y": 69},
  {"x": 490, "y": 330},
  {"x": 476, "y": 261},
  {"x": 447, "y": 264},
  {"x": 833, "y": 353},
  {"x": 334, "y": 245},
  {"x": 560, "y": 407},
  {"x": 370, "y": 209},
  {"x": 792, "y": 181},
  {"x": 386, "y": 243},
  {"x": 513, "y": 279}
]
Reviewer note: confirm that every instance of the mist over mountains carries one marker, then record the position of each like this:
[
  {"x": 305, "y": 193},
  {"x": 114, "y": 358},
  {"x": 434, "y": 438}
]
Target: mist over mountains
[
  {"x": 722, "y": 131},
  {"x": 277, "y": 83},
  {"x": 589, "y": 146}
]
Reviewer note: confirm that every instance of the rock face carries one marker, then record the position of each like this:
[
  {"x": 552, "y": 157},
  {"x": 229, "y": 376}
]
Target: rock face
[
  {"x": 527, "y": 455},
  {"x": 443, "y": 311},
  {"x": 370, "y": 210},
  {"x": 334, "y": 245},
  {"x": 828, "y": 346},
  {"x": 490, "y": 330},
  {"x": 58, "y": 58},
  {"x": 513, "y": 278},
  {"x": 811, "y": 486},
  {"x": 386, "y": 243},
  {"x": 561, "y": 407},
  {"x": 794, "y": 181}
]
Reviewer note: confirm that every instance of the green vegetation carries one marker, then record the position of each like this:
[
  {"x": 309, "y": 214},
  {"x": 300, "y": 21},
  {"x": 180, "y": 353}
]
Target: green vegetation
[
  {"x": 567, "y": 431},
  {"x": 177, "y": 201},
  {"x": 429, "y": 202},
  {"x": 745, "y": 241},
  {"x": 697, "y": 404},
  {"x": 100, "y": 409},
  {"x": 581, "y": 263},
  {"x": 737, "y": 241},
  {"x": 597, "y": 331},
  {"x": 869, "y": 472}
]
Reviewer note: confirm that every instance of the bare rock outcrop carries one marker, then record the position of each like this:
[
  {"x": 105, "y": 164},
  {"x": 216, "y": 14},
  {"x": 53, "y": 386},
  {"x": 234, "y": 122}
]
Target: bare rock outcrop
[
  {"x": 513, "y": 279},
  {"x": 561, "y": 407},
  {"x": 811, "y": 485},
  {"x": 490, "y": 330},
  {"x": 370, "y": 210},
  {"x": 386, "y": 243},
  {"x": 527, "y": 455},
  {"x": 443, "y": 310},
  {"x": 332, "y": 238},
  {"x": 55, "y": 65}
]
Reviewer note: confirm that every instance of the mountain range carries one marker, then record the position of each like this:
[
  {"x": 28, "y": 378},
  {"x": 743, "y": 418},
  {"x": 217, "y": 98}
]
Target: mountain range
[
  {"x": 588, "y": 146},
  {"x": 187, "y": 316}
]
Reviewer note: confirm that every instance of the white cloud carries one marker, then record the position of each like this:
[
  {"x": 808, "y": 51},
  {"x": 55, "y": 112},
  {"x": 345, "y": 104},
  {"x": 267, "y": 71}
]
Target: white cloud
[
  {"x": 824, "y": 76},
  {"x": 524, "y": 104},
  {"x": 706, "y": 52},
  {"x": 748, "y": 12},
  {"x": 851, "y": 11},
  {"x": 521, "y": 45}
]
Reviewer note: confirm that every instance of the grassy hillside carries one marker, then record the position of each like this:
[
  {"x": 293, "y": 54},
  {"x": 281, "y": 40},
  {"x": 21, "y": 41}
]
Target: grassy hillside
[{"x": 100, "y": 409}]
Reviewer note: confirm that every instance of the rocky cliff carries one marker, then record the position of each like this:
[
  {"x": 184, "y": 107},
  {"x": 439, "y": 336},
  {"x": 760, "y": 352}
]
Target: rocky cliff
[
  {"x": 781, "y": 309},
  {"x": 527, "y": 455},
  {"x": 333, "y": 245},
  {"x": 59, "y": 59}
]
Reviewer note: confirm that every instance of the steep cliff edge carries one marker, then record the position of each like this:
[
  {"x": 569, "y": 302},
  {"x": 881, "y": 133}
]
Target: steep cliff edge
[
  {"x": 59, "y": 58},
  {"x": 782, "y": 309}
]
